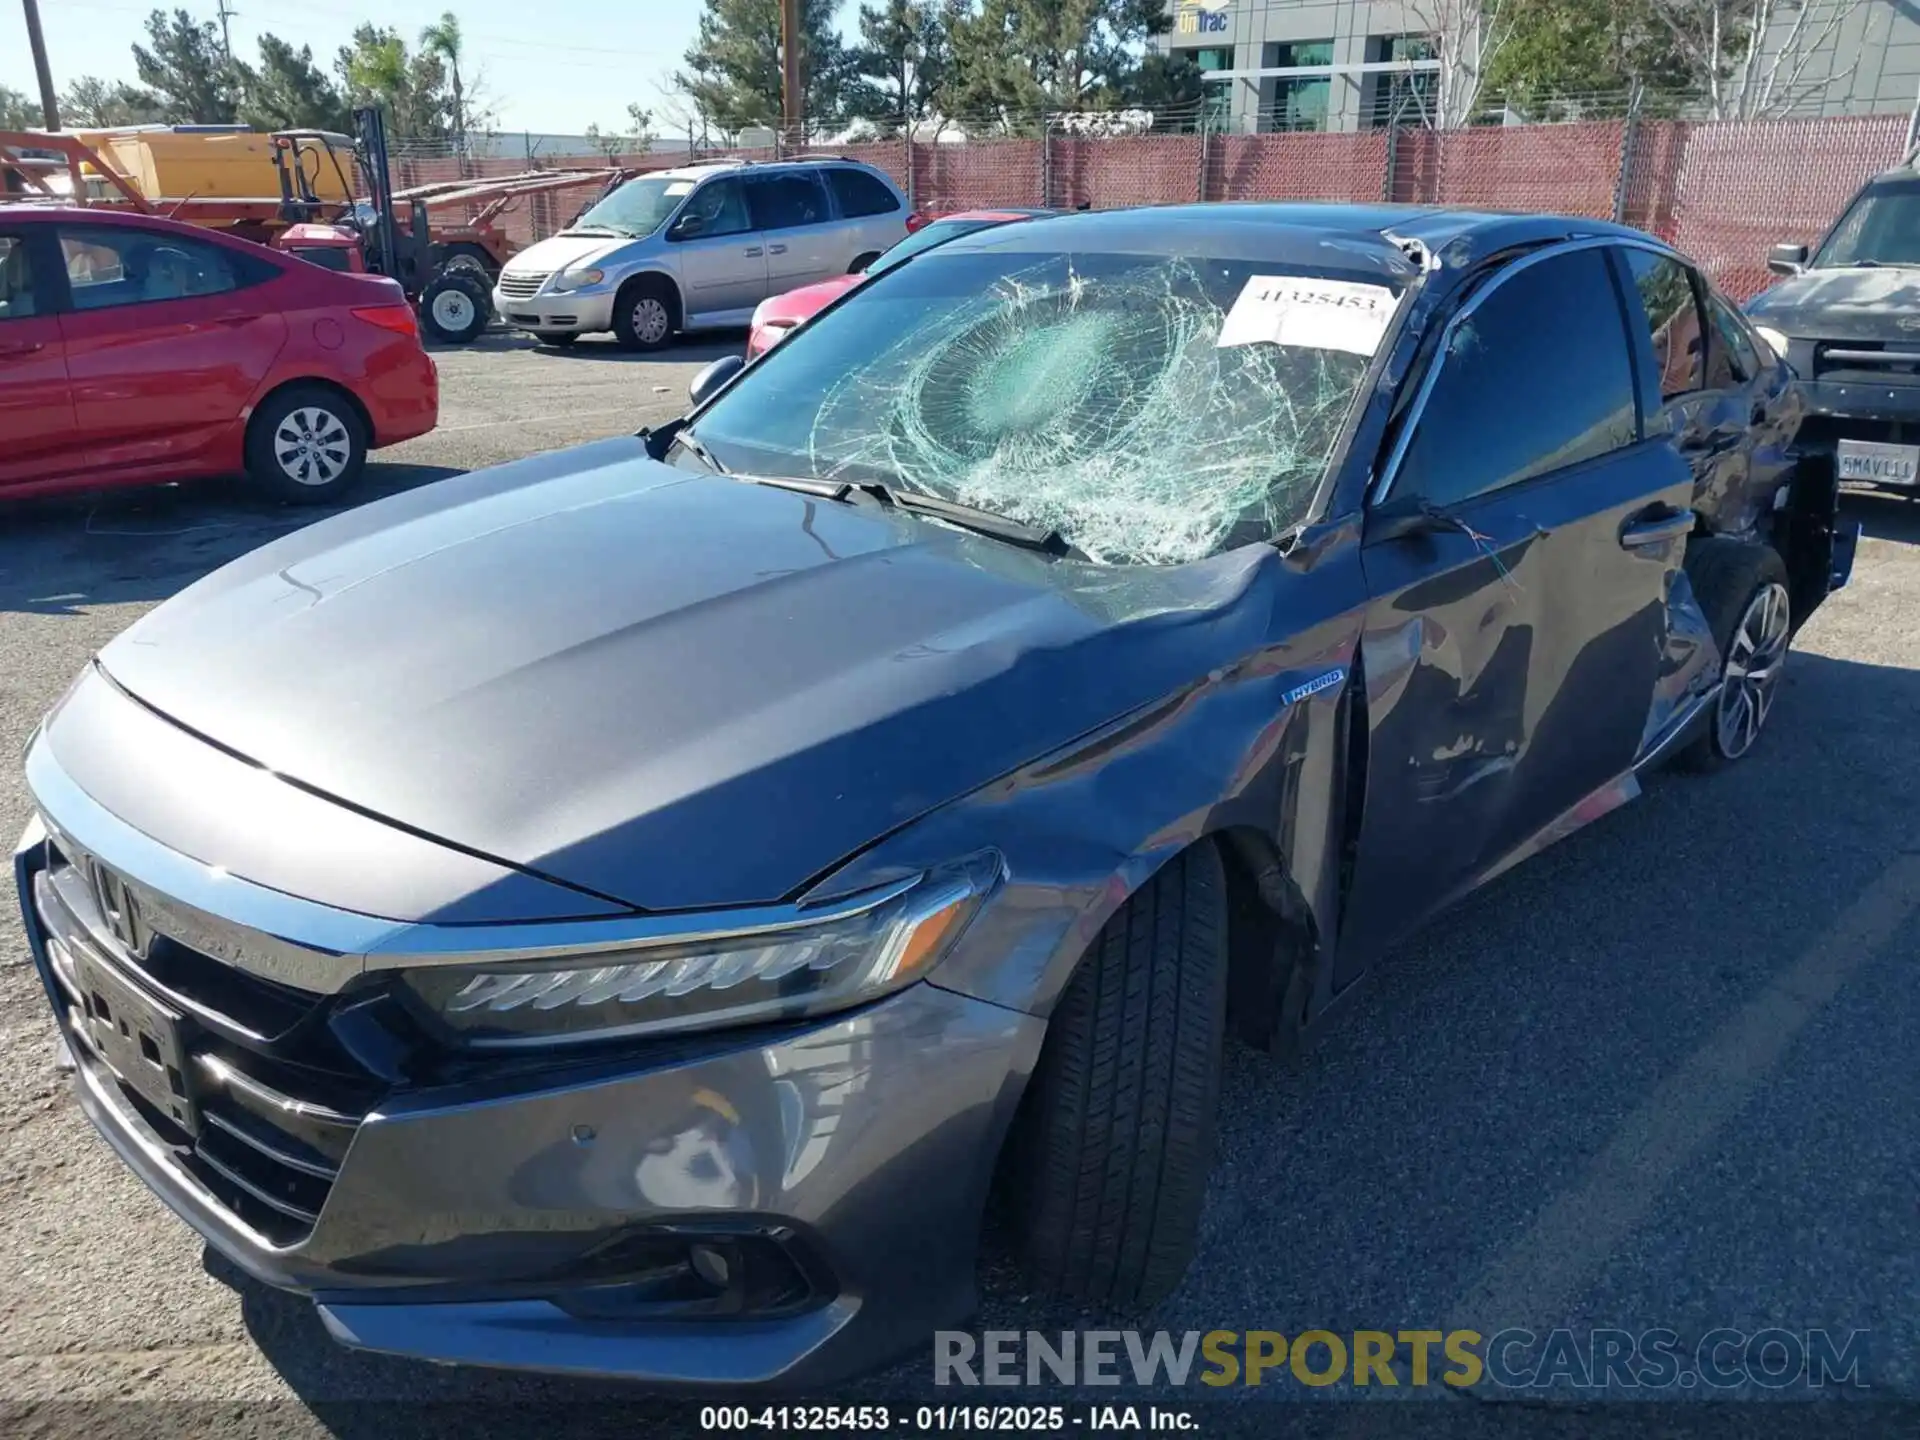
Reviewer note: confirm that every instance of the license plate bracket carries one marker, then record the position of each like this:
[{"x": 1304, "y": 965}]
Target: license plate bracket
[
  {"x": 139, "y": 1038},
  {"x": 1879, "y": 464}
]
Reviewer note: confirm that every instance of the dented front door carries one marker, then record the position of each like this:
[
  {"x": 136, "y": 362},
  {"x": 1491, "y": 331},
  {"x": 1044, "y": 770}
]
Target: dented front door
[{"x": 1513, "y": 638}]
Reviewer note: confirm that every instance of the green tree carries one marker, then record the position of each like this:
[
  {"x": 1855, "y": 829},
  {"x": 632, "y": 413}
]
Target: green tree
[
  {"x": 1169, "y": 85},
  {"x": 640, "y": 123},
  {"x": 732, "y": 76},
  {"x": 1027, "y": 57},
  {"x": 443, "y": 40},
  {"x": 1568, "y": 57},
  {"x": 377, "y": 69},
  {"x": 187, "y": 69},
  {"x": 289, "y": 92},
  {"x": 93, "y": 103},
  {"x": 901, "y": 62},
  {"x": 17, "y": 112}
]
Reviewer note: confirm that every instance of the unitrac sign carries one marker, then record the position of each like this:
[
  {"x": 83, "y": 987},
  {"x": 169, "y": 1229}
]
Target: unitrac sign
[{"x": 1201, "y": 17}]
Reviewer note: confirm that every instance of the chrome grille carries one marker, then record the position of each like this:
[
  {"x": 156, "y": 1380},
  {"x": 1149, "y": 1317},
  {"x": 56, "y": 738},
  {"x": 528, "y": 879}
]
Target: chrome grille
[
  {"x": 522, "y": 285},
  {"x": 267, "y": 1108}
]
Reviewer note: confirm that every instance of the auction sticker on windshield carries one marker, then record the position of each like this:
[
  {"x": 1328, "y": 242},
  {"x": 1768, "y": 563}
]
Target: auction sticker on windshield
[{"x": 1311, "y": 313}]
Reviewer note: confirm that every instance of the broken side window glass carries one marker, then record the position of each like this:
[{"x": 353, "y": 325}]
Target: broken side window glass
[{"x": 1153, "y": 409}]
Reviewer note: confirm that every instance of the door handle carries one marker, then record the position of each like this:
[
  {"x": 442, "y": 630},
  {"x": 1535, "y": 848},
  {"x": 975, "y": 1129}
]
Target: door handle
[
  {"x": 1655, "y": 527},
  {"x": 24, "y": 347},
  {"x": 753, "y": 250},
  {"x": 776, "y": 249}
]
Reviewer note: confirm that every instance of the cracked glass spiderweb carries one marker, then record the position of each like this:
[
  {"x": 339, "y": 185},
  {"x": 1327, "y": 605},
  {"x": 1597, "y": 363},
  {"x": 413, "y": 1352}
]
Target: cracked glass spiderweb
[{"x": 1100, "y": 406}]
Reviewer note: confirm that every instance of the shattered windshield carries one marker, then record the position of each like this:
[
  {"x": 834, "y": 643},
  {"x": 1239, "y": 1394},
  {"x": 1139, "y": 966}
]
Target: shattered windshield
[
  {"x": 637, "y": 208},
  {"x": 1152, "y": 409},
  {"x": 1882, "y": 228}
]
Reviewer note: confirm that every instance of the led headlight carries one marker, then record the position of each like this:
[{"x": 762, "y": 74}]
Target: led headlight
[
  {"x": 1774, "y": 338},
  {"x": 794, "y": 967},
  {"x": 570, "y": 280}
]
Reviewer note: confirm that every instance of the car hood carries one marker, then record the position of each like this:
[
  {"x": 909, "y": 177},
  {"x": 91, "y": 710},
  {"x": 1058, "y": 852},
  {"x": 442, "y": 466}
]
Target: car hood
[
  {"x": 807, "y": 301},
  {"x": 562, "y": 251},
  {"x": 1867, "y": 304},
  {"x": 673, "y": 689}
]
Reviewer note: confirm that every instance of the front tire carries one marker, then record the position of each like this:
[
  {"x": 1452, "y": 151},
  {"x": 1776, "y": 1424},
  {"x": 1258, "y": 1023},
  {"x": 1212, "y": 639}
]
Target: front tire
[
  {"x": 645, "y": 315},
  {"x": 455, "y": 307},
  {"x": 306, "y": 446},
  {"x": 1115, "y": 1138},
  {"x": 1742, "y": 588}
]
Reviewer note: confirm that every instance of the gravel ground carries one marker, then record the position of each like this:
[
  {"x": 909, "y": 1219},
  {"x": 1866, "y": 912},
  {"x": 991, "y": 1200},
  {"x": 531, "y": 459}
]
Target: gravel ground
[{"x": 1661, "y": 1076}]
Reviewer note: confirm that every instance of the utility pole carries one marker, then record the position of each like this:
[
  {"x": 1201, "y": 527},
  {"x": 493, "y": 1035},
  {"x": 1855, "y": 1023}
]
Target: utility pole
[
  {"x": 36, "y": 42},
  {"x": 794, "y": 104},
  {"x": 226, "y": 42}
]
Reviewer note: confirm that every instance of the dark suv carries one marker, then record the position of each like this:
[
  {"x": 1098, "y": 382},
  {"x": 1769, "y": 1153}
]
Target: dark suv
[{"x": 1847, "y": 318}]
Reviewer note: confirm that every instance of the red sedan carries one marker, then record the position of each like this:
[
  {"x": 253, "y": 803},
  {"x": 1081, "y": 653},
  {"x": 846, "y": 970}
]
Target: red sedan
[
  {"x": 135, "y": 350},
  {"x": 778, "y": 315}
]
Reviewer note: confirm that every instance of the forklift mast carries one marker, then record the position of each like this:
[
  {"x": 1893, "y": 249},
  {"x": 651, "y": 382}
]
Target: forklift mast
[{"x": 371, "y": 127}]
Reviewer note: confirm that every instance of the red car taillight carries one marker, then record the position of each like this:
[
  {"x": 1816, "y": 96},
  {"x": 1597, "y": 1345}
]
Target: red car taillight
[
  {"x": 915, "y": 221},
  {"x": 398, "y": 318}
]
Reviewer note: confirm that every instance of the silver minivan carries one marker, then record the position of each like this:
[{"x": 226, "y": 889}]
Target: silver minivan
[{"x": 697, "y": 248}]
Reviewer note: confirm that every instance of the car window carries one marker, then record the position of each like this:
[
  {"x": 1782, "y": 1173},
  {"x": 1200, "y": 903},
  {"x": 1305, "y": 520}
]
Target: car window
[
  {"x": 1672, "y": 317},
  {"x": 1730, "y": 336},
  {"x": 860, "y": 193},
  {"x": 782, "y": 202},
  {"x": 719, "y": 207},
  {"x": 107, "y": 268},
  {"x": 1536, "y": 378},
  {"x": 16, "y": 279}
]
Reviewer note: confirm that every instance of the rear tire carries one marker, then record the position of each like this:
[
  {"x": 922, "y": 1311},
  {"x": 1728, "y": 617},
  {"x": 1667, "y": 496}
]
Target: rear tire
[
  {"x": 1115, "y": 1138},
  {"x": 306, "y": 445},
  {"x": 645, "y": 314},
  {"x": 1742, "y": 589},
  {"x": 455, "y": 307}
]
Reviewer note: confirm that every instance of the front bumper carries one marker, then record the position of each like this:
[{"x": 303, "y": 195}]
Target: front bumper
[
  {"x": 578, "y": 312},
  {"x": 470, "y": 1216},
  {"x": 1857, "y": 408}
]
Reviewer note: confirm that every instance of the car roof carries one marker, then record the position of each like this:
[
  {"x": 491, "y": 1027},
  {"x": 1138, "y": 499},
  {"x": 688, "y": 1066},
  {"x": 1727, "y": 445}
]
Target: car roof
[
  {"x": 1333, "y": 235},
  {"x": 703, "y": 169},
  {"x": 34, "y": 212},
  {"x": 1005, "y": 216}
]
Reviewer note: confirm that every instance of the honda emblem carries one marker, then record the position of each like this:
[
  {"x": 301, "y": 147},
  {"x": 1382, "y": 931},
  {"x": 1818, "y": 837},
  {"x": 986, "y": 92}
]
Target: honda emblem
[{"x": 120, "y": 911}]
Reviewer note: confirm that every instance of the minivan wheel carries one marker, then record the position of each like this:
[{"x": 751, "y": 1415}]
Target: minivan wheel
[
  {"x": 306, "y": 445},
  {"x": 1110, "y": 1152},
  {"x": 644, "y": 316},
  {"x": 1742, "y": 589}
]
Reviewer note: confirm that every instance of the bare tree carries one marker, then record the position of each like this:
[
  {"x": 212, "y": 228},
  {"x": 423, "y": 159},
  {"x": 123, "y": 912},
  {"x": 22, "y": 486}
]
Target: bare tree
[
  {"x": 1753, "y": 55},
  {"x": 1467, "y": 34}
]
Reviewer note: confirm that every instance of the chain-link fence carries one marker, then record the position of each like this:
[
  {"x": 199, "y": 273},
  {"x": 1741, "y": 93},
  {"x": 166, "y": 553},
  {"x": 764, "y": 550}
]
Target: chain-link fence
[{"x": 1720, "y": 190}]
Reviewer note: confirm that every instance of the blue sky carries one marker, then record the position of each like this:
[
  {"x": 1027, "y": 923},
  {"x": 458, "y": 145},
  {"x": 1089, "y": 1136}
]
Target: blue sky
[{"x": 546, "y": 65}]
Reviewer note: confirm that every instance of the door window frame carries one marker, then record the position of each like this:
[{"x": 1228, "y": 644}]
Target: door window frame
[
  {"x": 48, "y": 298},
  {"x": 810, "y": 172},
  {"x": 247, "y": 270},
  {"x": 686, "y": 204},
  {"x": 1381, "y": 489}
]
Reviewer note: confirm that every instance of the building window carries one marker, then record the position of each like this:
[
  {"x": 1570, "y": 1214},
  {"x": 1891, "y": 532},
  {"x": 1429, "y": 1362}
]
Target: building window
[
  {"x": 1298, "y": 102},
  {"x": 1406, "y": 99},
  {"x": 1216, "y": 98}
]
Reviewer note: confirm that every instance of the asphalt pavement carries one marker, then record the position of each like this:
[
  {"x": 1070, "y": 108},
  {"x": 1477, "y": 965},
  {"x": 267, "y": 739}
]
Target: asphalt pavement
[{"x": 1662, "y": 1076}]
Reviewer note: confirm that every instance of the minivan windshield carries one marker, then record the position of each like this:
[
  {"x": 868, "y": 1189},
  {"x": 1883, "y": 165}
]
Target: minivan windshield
[
  {"x": 1882, "y": 227},
  {"x": 638, "y": 207},
  {"x": 1150, "y": 408}
]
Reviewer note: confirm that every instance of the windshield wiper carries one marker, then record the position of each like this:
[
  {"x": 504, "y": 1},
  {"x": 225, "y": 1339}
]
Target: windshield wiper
[
  {"x": 611, "y": 232},
  {"x": 684, "y": 439},
  {"x": 825, "y": 489},
  {"x": 981, "y": 522}
]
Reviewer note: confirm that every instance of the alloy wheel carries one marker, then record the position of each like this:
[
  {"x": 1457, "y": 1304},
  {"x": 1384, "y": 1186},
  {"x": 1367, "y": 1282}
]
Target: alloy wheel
[
  {"x": 312, "y": 446},
  {"x": 1754, "y": 661}
]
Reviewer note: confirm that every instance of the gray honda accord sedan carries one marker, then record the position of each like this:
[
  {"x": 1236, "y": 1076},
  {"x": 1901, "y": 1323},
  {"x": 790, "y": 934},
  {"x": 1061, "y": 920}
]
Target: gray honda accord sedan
[{"x": 625, "y": 912}]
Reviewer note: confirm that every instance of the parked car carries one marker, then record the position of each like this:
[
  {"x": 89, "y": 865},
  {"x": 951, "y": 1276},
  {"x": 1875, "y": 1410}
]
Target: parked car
[
  {"x": 622, "y": 912},
  {"x": 1847, "y": 317},
  {"x": 778, "y": 315},
  {"x": 136, "y": 350},
  {"x": 699, "y": 247}
]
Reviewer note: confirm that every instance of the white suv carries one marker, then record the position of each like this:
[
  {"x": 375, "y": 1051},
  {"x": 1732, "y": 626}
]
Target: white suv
[{"x": 698, "y": 247}]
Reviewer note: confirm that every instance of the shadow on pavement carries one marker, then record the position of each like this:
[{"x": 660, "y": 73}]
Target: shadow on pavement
[
  {"x": 1885, "y": 515},
  {"x": 146, "y": 542},
  {"x": 694, "y": 350}
]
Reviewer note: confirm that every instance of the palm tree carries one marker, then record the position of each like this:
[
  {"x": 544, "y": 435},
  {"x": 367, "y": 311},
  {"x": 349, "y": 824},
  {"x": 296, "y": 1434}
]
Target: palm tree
[{"x": 443, "y": 39}]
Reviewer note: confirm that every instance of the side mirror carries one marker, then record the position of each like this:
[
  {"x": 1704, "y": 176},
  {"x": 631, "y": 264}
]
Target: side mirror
[
  {"x": 715, "y": 378},
  {"x": 1787, "y": 259},
  {"x": 687, "y": 226},
  {"x": 1399, "y": 518}
]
